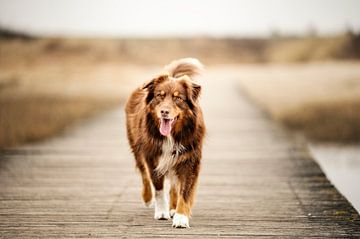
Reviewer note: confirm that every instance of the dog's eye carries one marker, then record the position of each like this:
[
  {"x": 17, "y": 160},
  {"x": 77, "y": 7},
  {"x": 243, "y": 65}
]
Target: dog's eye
[
  {"x": 161, "y": 94},
  {"x": 178, "y": 98}
]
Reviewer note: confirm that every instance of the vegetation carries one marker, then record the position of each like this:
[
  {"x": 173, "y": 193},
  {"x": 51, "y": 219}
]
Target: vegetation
[
  {"x": 321, "y": 100},
  {"x": 327, "y": 121},
  {"x": 25, "y": 119},
  {"x": 210, "y": 50},
  {"x": 346, "y": 46},
  {"x": 44, "y": 89}
]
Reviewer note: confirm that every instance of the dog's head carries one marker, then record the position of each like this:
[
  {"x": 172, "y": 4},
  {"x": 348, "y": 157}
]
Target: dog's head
[{"x": 171, "y": 100}]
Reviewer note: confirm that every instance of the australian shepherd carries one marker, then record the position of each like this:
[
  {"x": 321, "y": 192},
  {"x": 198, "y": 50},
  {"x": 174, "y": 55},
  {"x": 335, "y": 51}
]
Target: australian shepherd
[{"x": 165, "y": 128}]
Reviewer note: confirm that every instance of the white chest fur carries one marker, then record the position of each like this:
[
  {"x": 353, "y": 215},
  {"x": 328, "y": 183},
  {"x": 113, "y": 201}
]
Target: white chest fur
[{"x": 170, "y": 153}]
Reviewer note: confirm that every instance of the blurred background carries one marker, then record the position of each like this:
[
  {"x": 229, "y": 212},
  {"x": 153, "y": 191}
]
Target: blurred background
[{"x": 61, "y": 61}]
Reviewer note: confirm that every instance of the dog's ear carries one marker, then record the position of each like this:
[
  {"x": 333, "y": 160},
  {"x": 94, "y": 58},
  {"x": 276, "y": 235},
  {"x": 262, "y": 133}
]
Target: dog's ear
[
  {"x": 196, "y": 89},
  {"x": 150, "y": 87},
  {"x": 193, "y": 89}
]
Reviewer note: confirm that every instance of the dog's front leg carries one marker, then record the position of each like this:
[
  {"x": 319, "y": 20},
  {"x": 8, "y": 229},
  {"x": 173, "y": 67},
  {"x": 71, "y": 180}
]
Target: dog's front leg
[
  {"x": 161, "y": 201},
  {"x": 187, "y": 185},
  {"x": 173, "y": 199}
]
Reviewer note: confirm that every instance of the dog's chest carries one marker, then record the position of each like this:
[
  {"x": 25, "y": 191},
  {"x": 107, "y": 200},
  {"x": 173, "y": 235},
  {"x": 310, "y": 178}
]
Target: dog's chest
[{"x": 169, "y": 156}]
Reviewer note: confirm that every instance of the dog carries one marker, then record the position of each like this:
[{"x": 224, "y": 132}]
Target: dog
[{"x": 165, "y": 129}]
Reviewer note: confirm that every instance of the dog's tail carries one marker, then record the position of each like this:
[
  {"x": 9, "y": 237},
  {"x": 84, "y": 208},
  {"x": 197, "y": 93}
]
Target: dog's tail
[{"x": 185, "y": 66}]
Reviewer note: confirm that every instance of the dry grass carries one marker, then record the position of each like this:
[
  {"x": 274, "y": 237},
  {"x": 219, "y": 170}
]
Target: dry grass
[
  {"x": 321, "y": 100},
  {"x": 43, "y": 92},
  {"x": 340, "y": 47},
  {"x": 26, "y": 119},
  {"x": 26, "y": 51},
  {"x": 210, "y": 50},
  {"x": 330, "y": 121},
  {"x": 135, "y": 51}
]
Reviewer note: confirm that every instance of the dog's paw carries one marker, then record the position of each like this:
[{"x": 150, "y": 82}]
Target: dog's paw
[
  {"x": 172, "y": 212},
  {"x": 161, "y": 206},
  {"x": 180, "y": 221},
  {"x": 162, "y": 215}
]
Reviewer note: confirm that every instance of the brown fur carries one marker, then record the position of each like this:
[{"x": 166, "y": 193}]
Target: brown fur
[
  {"x": 173, "y": 197},
  {"x": 178, "y": 93}
]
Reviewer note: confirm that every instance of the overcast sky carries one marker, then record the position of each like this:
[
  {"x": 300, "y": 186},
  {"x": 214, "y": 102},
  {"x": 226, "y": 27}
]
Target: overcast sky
[{"x": 179, "y": 18}]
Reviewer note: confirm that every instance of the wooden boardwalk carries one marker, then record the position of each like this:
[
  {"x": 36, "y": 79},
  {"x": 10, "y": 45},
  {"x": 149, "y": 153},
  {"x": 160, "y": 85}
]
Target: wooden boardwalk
[{"x": 255, "y": 182}]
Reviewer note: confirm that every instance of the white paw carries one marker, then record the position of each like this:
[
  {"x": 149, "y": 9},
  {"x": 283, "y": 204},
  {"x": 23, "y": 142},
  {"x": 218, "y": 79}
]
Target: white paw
[
  {"x": 161, "y": 206},
  {"x": 162, "y": 215},
  {"x": 172, "y": 212},
  {"x": 180, "y": 221}
]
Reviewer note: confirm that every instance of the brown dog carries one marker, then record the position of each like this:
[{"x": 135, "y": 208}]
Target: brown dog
[{"x": 165, "y": 129}]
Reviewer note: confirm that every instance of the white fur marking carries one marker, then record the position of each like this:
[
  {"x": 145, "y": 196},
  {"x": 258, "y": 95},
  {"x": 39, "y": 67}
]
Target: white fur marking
[
  {"x": 161, "y": 206},
  {"x": 180, "y": 221},
  {"x": 170, "y": 153}
]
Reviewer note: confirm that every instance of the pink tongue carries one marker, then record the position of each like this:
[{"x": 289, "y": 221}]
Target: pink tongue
[{"x": 165, "y": 127}]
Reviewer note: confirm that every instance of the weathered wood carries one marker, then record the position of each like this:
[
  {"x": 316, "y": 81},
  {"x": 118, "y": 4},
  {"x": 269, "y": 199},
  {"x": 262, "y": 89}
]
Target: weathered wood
[{"x": 256, "y": 181}]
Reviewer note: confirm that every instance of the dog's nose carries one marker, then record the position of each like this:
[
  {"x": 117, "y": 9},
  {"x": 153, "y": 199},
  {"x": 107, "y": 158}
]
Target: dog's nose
[{"x": 164, "y": 112}]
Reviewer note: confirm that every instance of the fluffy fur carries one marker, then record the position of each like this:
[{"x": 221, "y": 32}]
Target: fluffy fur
[{"x": 165, "y": 129}]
